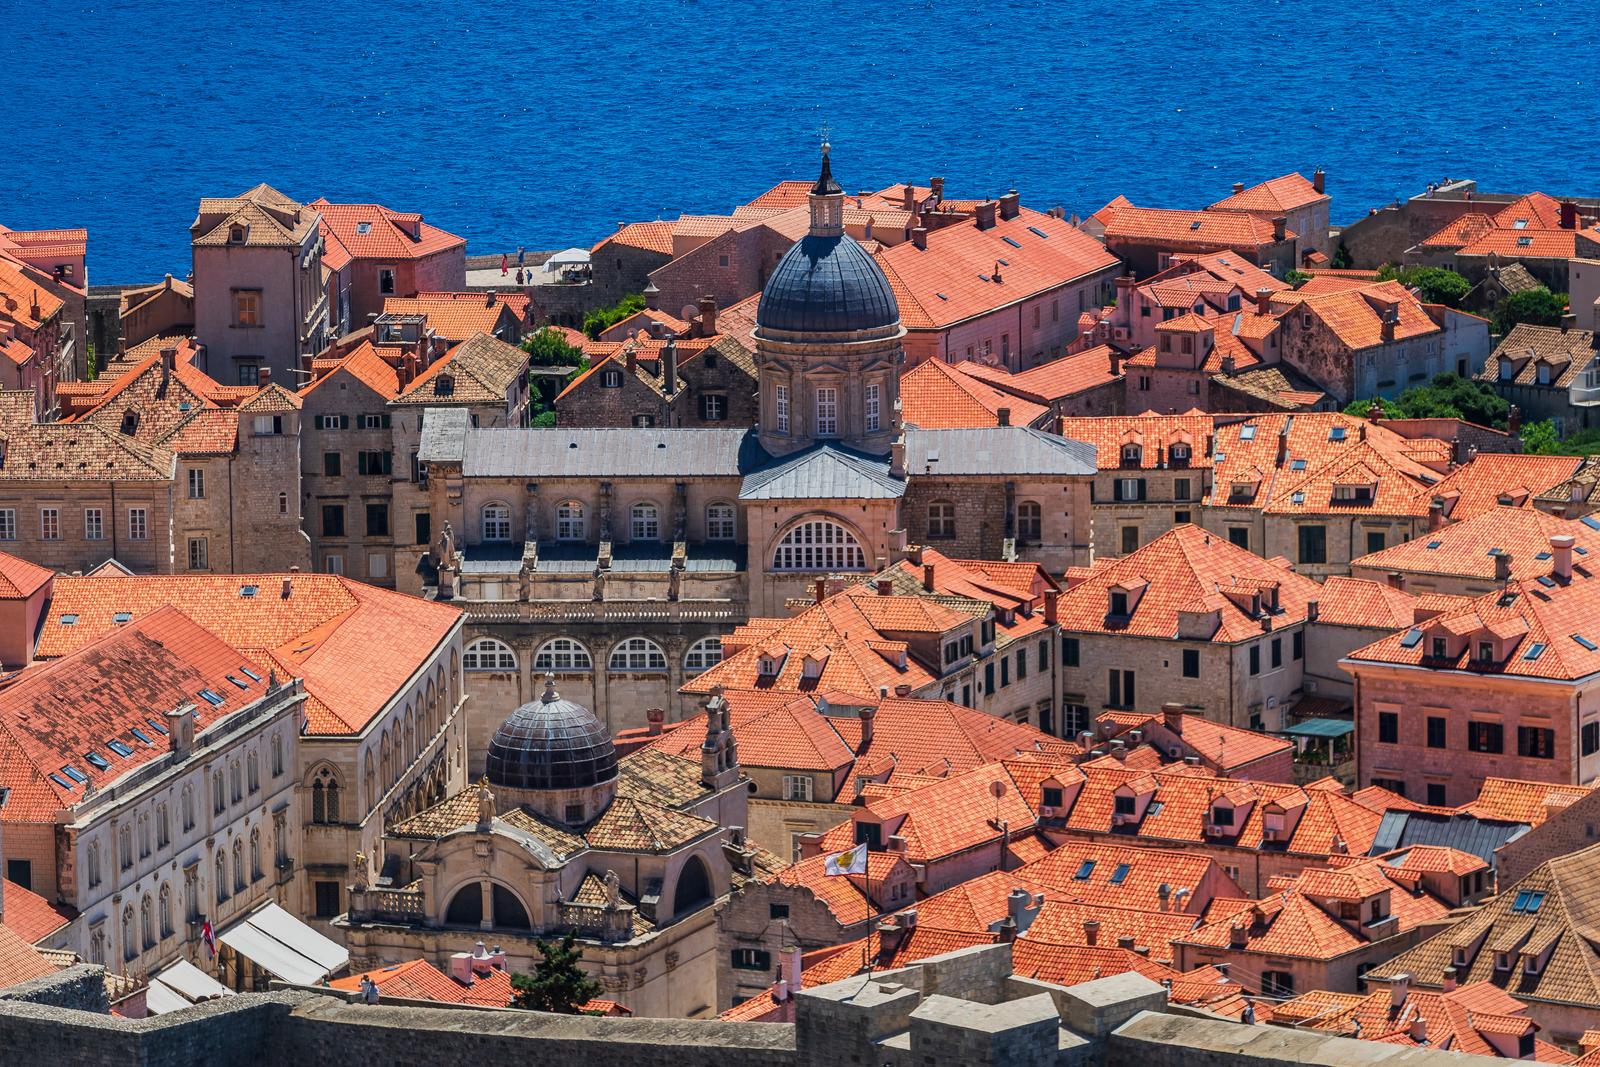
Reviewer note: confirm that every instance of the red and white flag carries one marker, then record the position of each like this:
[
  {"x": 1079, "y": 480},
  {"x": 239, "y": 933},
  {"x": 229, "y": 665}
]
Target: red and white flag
[{"x": 208, "y": 938}]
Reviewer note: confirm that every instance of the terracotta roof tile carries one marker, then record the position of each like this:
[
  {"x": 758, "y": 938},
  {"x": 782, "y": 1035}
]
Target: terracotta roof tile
[
  {"x": 1213, "y": 230},
  {"x": 651, "y": 236},
  {"x": 1285, "y": 193},
  {"x": 1368, "y": 604},
  {"x": 1564, "y": 353},
  {"x": 1074, "y": 373},
  {"x": 372, "y": 231},
  {"x": 20, "y": 961},
  {"x": 1470, "y": 549},
  {"x": 453, "y": 316},
  {"x": 421, "y": 980},
  {"x": 933, "y": 396},
  {"x": 20, "y": 579}
]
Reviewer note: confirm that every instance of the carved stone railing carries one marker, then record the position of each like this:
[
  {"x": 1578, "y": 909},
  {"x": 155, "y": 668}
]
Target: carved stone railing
[
  {"x": 601, "y": 922},
  {"x": 602, "y": 610},
  {"x": 405, "y": 905}
]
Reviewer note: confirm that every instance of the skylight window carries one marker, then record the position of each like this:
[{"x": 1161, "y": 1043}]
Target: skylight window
[
  {"x": 121, "y": 617},
  {"x": 1591, "y": 522},
  {"x": 1297, "y": 498},
  {"x": 1153, "y": 809},
  {"x": 1038, "y": 232},
  {"x": 1580, "y": 550},
  {"x": 1412, "y": 638},
  {"x": 141, "y": 735},
  {"x": 69, "y": 620},
  {"x": 1435, "y": 544},
  {"x": 250, "y": 674},
  {"x": 1336, "y": 434},
  {"x": 1003, "y": 262},
  {"x": 249, "y": 590},
  {"x": 157, "y": 727},
  {"x": 1520, "y": 224},
  {"x": 96, "y": 760},
  {"x": 121, "y": 748},
  {"x": 1583, "y": 641},
  {"x": 985, "y": 278},
  {"x": 1195, "y": 225},
  {"x": 241, "y": 683},
  {"x": 1547, "y": 581},
  {"x": 1542, "y": 555},
  {"x": 1085, "y": 869},
  {"x": 1534, "y": 652},
  {"x": 72, "y": 772},
  {"x": 1011, "y": 242},
  {"x": 1524, "y": 242},
  {"x": 1528, "y": 902},
  {"x": 58, "y": 780},
  {"x": 363, "y": 228},
  {"x": 1120, "y": 873},
  {"x": 211, "y": 698},
  {"x": 1247, "y": 432},
  {"x": 1297, "y": 465},
  {"x": 941, "y": 296}
]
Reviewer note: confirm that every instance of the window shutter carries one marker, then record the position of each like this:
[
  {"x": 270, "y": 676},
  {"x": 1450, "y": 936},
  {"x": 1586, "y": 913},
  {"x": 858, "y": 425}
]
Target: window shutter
[{"x": 1141, "y": 488}]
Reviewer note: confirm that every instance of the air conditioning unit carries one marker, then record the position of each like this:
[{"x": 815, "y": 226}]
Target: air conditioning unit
[
  {"x": 1049, "y": 811},
  {"x": 1120, "y": 333},
  {"x": 1214, "y": 830}
]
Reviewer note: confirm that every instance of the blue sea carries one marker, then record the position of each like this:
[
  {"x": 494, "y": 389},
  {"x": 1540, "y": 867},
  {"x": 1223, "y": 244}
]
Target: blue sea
[{"x": 544, "y": 124}]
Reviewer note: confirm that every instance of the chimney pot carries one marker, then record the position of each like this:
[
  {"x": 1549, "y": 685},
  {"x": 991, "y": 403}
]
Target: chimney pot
[
  {"x": 919, "y": 237},
  {"x": 489, "y": 299},
  {"x": 655, "y": 717},
  {"x": 1052, "y": 606},
  {"x": 1091, "y": 931},
  {"x": 1238, "y": 187},
  {"x": 1279, "y": 228},
  {"x": 1263, "y": 301},
  {"x": 263, "y": 376},
  {"x": 985, "y": 214},
  {"x": 927, "y": 577},
  {"x": 1561, "y": 550},
  {"x": 1172, "y": 716},
  {"x": 1004, "y": 415},
  {"x": 885, "y": 587},
  {"x": 708, "y": 315},
  {"x": 902, "y": 690},
  {"x": 1319, "y": 180}
]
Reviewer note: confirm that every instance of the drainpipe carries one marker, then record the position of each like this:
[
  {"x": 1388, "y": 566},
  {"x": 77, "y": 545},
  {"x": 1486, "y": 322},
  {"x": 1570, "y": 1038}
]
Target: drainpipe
[{"x": 232, "y": 563}]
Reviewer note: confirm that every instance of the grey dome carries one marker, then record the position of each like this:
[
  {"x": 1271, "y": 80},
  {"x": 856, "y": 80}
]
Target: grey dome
[
  {"x": 550, "y": 744},
  {"x": 827, "y": 285}
]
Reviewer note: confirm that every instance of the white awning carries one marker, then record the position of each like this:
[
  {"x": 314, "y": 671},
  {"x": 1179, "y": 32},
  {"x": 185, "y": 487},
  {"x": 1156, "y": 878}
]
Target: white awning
[
  {"x": 284, "y": 946},
  {"x": 571, "y": 257},
  {"x": 181, "y": 984}
]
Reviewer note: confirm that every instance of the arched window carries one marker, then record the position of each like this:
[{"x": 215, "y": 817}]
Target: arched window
[
  {"x": 569, "y": 522},
  {"x": 236, "y": 781},
  {"x": 130, "y": 946},
  {"x": 1030, "y": 522},
  {"x": 644, "y": 523},
  {"x": 238, "y": 865},
  {"x": 255, "y": 854},
  {"x": 466, "y": 907},
  {"x": 819, "y": 545},
  {"x": 188, "y": 809},
  {"x": 125, "y": 848},
  {"x": 147, "y": 922},
  {"x": 252, "y": 773},
  {"x": 219, "y": 799},
  {"x": 93, "y": 863},
  {"x": 165, "y": 910},
  {"x": 720, "y": 524},
  {"x": 941, "y": 519},
  {"x": 222, "y": 876},
  {"x": 638, "y": 654},
  {"x": 487, "y": 654},
  {"x": 693, "y": 889},
  {"x": 370, "y": 776},
  {"x": 496, "y": 522},
  {"x": 325, "y": 798},
  {"x": 702, "y": 655},
  {"x": 562, "y": 654},
  {"x": 385, "y": 762},
  {"x": 508, "y": 910}
]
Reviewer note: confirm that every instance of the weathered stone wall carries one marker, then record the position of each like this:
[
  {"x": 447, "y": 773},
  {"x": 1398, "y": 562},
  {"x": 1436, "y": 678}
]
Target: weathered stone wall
[{"x": 81, "y": 987}]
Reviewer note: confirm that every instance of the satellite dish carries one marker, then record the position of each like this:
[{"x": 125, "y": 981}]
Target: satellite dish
[{"x": 997, "y": 789}]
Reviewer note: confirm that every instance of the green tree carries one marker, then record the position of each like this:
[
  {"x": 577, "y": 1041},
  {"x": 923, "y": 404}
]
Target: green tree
[
  {"x": 549, "y": 348},
  {"x": 1449, "y": 396},
  {"x": 1537, "y": 307},
  {"x": 602, "y": 319},
  {"x": 545, "y": 420},
  {"x": 557, "y": 983},
  {"x": 1360, "y": 408},
  {"x": 1540, "y": 439},
  {"x": 1297, "y": 278},
  {"x": 1342, "y": 260},
  {"x": 1435, "y": 284}
]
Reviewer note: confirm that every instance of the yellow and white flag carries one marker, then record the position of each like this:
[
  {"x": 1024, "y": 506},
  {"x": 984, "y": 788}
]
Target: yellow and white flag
[{"x": 852, "y": 862}]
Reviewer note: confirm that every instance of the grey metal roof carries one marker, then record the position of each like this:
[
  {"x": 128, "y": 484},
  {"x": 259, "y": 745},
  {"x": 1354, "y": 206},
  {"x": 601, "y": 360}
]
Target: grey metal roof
[
  {"x": 996, "y": 450},
  {"x": 1480, "y": 837},
  {"x": 824, "y": 472},
  {"x": 444, "y": 434},
  {"x": 827, "y": 285},
  {"x": 630, "y": 452}
]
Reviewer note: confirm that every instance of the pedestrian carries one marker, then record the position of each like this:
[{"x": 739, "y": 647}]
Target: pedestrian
[
  {"x": 521, "y": 256},
  {"x": 504, "y": 264},
  {"x": 369, "y": 989},
  {"x": 519, "y": 275}
]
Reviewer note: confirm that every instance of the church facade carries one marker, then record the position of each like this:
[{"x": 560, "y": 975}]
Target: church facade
[{"x": 617, "y": 558}]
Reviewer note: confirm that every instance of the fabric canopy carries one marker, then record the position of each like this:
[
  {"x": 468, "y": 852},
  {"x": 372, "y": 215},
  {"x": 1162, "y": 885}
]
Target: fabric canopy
[
  {"x": 179, "y": 985},
  {"x": 1322, "y": 728},
  {"x": 284, "y": 946}
]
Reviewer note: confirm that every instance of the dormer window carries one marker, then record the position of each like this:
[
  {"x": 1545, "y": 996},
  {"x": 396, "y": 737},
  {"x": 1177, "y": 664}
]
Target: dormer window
[
  {"x": 1485, "y": 652},
  {"x": 1222, "y": 815},
  {"x": 1353, "y": 494},
  {"x": 1440, "y": 648},
  {"x": 1132, "y": 455},
  {"x": 236, "y": 235},
  {"x": 1179, "y": 455},
  {"x": 1508, "y": 369},
  {"x": 1119, "y": 603},
  {"x": 1502, "y": 961},
  {"x": 1124, "y": 805},
  {"x": 1544, "y": 374},
  {"x": 130, "y": 423}
]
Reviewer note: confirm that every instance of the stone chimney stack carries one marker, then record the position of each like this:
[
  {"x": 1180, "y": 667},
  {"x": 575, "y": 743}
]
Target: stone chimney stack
[
  {"x": 1010, "y": 205},
  {"x": 927, "y": 577},
  {"x": 869, "y": 715},
  {"x": 1052, "y": 602},
  {"x": 1280, "y": 226},
  {"x": 263, "y": 377},
  {"x": 180, "y": 730},
  {"x": 1561, "y": 563},
  {"x": 1003, "y": 415},
  {"x": 708, "y": 315},
  {"x": 919, "y": 237},
  {"x": 1263, "y": 301},
  {"x": 669, "y": 367},
  {"x": 654, "y": 717},
  {"x": 1319, "y": 180},
  {"x": 985, "y": 214}
]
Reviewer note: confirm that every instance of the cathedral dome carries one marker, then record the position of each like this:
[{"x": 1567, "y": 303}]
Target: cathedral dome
[
  {"x": 551, "y": 744},
  {"x": 827, "y": 284}
]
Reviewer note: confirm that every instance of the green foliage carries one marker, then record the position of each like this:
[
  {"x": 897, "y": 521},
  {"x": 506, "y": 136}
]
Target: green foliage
[
  {"x": 1449, "y": 396},
  {"x": 1342, "y": 259},
  {"x": 596, "y": 322},
  {"x": 1537, "y": 307},
  {"x": 1297, "y": 278},
  {"x": 1540, "y": 438},
  {"x": 1435, "y": 284},
  {"x": 549, "y": 348},
  {"x": 545, "y": 420},
  {"x": 557, "y": 983},
  {"x": 91, "y": 370}
]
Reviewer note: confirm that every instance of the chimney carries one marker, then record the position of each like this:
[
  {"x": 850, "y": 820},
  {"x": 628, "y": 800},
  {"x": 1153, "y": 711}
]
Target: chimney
[
  {"x": 1436, "y": 515},
  {"x": 1502, "y": 564},
  {"x": 1278, "y": 227},
  {"x": 1172, "y": 716},
  {"x": 461, "y": 967},
  {"x": 1419, "y": 1028},
  {"x": 819, "y": 591},
  {"x": 1561, "y": 550},
  {"x": 1125, "y": 941},
  {"x": 489, "y": 299},
  {"x": 1238, "y": 934},
  {"x": 927, "y": 577},
  {"x": 909, "y": 197},
  {"x": 1391, "y": 319},
  {"x": 1399, "y": 989},
  {"x": 1116, "y": 363},
  {"x": 1397, "y": 581},
  {"x": 1091, "y": 931},
  {"x": 919, "y": 237},
  {"x": 1010, "y": 205},
  {"x": 651, "y": 296},
  {"x": 868, "y": 716},
  {"x": 408, "y": 369},
  {"x": 1004, "y": 415},
  {"x": 1164, "y": 894},
  {"x": 1238, "y": 187},
  {"x": 936, "y": 185},
  {"x": 654, "y": 717},
  {"x": 1448, "y": 984},
  {"x": 1569, "y": 215},
  {"x": 180, "y": 730},
  {"x": 263, "y": 377},
  {"x": 1263, "y": 301},
  {"x": 897, "y": 457},
  {"x": 1228, "y": 365},
  {"x": 1312, "y": 609},
  {"x": 902, "y": 690},
  {"x": 1319, "y": 180},
  {"x": 1569, "y": 322},
  {"x": 985, "y": 214},
  {"x": 669, "y": 367},
  {"x": 886, "y": 587},
  {"x": 1052, "y": 606},
  {"x": 708, "y": 315},
  {"x": 790, "y": 975},
  {"x": 288, "y": 588}
]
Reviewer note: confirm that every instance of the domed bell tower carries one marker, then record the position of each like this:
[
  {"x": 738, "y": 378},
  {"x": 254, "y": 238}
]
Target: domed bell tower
[{"x": 828, "y": 335}]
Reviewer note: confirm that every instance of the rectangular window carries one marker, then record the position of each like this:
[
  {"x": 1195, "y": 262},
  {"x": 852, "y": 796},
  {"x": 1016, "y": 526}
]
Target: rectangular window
[
  {"x": 377, "y": 519},
  {"x": 197, "y": 483},
  {"x": 1298, "y": 641},
  {"x": 94, "y": 528},
  {"x": 713, "y": 407},
  {"x": 1438, "y": 731},
  {"x": 1121, "y": 689},
  {"x": 327, "y": 899},
  {"x": 333, "y": 520},
  {"x": 333, "y": 563},
  {"x": 1180, "y": 489},
  {"x": 1388, "y": 728},
  {"x": 377, "y": 565},
  {"x": 1069, "y": 651},
  {"x": 797, "y": 787},
  {"x": 1486, "y": 737},
  {"x": 332, "y": 464},
  {"x": 1044, "y": 655},
  {"x": 267, "y": 425},
  {"x": 199, "y": 557},
  {"x": 827, "y": 412},
  {"x": 873, "y": 407},
  {"x": 424, "y": 522},
  {"x": 332, "y": 422},
  {"x": 1590, "y": 735},
  {"x": 50, "y": 524},
  {"x": 138, "y": 524},
  {"x": 1536, "y": 742},
  {"x": 780, "y": 402},
  {"x": 988, "y": 677},
  {"x": 386, "y": 281},
  {"x": 751, "y": 959},
  {"x": 1191, "y": 663},
  {"x": 1022, "y": 664},
  {"x": 1130, "y": 539},
  {"x": 374, "y": 462},
  {"x": 247, "y": 307},
  {"x": 249, "y": 373},
  {"x": 1277, "y": 652},
  {"x": 8, "y": 524},
  {"x": 1239, "y": 535},
  {"x": 1436, "y": 794},
  {"x": 1255, "y": 659},
  {"x": 1313, "y": 544},
  {"x": 1005, "y": 671},
  {"x": 1374, "y": 540}
]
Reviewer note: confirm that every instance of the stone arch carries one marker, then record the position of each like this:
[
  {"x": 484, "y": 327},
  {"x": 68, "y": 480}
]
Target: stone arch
[
  {"x": 702, "y": 655},
  {"x": 563, "y": 655},
  {"x": 494, "y": 521},
  {"x": 644, "y": 521},
  {"x": 323, "y": 781},
  {"x": 489, "y": 654},
  {"x": 636, "y": 654},
  {"x": 693, "y": 889},
  {"x": 820, "y": 542},
  {"x": 509, "y": 914},
  {"x": 466, "y": 906}
]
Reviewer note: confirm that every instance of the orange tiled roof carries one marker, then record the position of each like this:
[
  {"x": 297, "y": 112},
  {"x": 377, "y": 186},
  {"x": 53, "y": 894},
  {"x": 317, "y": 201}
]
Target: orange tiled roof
[
  {"x": 1190, "y": 229},
  {"x": 367, "y": 366},
  {"x": 1534, "y": 211},
  {"x": 1462, "y": 231},
  {"x": 30, "y": 916},
  {"x": 1153, "y": 434},
  {"x": 1512, "y": 800},
  {"x": 651, "y": 236},
  {"x": 421, "y": 980},
  {"x": 479, "y": 370},
  {"x": 1360, "y": 602},
  {"x": 354, "y": 644},
  {"x": 1530, "y": 244},
  {"x": 1220, "y": 745},
  {"x": 1355, "y": 316},
  {"x": 453, "y": 316},
  {"x": 20, "y": 961},
  {"x": 1275, "y": 194},
  {"x": 933, "y": 396},
  {"x": 1074, "y": 373},
  {"x": 372, "y": 231},
  {"x": 1185, "y": 570},
  {"x": 20, "y": 579},
  {"x": 1565, "y": 353},
  {"x": 1495, "y": 479},
  {"x": 1471, "y": 549}
]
